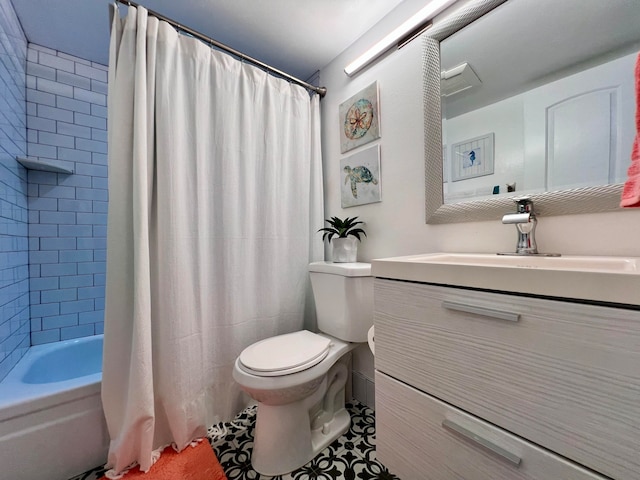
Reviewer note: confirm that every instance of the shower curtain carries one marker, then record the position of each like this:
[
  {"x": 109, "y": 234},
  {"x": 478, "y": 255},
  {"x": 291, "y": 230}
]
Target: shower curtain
[{"x": 215, "y": 189}]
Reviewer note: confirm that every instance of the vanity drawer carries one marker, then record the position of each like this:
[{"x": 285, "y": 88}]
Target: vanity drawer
[
  {"x": 420, "y": 437},
  {"x": 563, "y": 375}
]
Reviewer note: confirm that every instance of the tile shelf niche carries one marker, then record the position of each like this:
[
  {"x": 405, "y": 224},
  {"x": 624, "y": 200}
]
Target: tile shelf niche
[{"x": 32, "y": 164}]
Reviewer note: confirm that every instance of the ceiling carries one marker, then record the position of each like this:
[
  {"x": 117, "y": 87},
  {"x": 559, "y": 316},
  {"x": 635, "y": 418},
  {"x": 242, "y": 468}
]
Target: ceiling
[{"x": 295, "y": 36}]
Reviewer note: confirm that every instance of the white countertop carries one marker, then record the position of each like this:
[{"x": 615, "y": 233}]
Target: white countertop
[{"x": 601, "y": 279}]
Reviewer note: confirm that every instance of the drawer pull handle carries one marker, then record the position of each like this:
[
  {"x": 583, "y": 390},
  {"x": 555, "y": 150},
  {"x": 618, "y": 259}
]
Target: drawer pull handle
[
  {"x": 468, "y": 434},
  {"x": 487, "y": 312}
]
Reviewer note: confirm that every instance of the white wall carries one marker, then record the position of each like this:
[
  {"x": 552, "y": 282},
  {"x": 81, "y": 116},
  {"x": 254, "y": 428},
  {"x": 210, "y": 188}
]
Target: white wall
[{"x": 396, "y": 226}]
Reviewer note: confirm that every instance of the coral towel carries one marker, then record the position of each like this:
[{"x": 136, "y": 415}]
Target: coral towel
[{"x": 631, "y": 190}]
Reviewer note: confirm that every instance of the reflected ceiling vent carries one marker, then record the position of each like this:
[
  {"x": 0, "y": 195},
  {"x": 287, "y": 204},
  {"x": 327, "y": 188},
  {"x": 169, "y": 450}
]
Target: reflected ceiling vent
[{"x": 457, "y": 80}]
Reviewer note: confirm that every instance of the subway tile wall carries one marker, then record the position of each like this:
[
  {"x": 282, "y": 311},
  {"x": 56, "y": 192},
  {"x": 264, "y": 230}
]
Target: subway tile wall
[
  {"x": 67, "y": 126},
  {"x": 14, "y": 242}
]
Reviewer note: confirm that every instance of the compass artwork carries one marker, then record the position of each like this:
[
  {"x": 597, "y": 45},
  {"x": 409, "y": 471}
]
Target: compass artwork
[
  {"x": 359, "y": 119},
  {"x": 360, "y": 178}
]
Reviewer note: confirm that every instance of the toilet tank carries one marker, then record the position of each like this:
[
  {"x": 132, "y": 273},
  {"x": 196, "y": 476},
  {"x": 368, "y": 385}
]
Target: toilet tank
[{"x": 343, "y": 293}]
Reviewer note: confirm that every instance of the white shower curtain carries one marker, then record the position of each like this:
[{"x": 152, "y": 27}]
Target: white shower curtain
[{"x": 215, "y": 190}]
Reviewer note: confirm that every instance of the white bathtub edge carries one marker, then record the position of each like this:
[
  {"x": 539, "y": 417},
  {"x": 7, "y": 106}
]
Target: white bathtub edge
[{"x": 16, "y": 408}]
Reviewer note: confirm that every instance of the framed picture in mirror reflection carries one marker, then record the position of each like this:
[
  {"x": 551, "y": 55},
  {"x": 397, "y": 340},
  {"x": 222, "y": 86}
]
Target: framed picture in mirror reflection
[{"x": 472, "y": 158}]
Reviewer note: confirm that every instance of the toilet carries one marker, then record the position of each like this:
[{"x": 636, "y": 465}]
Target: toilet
[{"x": 299, "y": 379}]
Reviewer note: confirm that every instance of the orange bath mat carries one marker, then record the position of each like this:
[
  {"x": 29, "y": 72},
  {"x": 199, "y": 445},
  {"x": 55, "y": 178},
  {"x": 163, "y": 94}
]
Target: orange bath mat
[{"x": 192, "y": 463}]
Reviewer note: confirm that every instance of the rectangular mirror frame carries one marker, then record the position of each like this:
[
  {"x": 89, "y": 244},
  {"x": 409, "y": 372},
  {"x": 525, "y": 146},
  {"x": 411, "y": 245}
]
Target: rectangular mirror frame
[{"x": 603, "y": 198}]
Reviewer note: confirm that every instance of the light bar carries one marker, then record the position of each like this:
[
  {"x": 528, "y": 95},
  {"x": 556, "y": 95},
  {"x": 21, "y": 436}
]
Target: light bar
[{"x": 408, "y": 28}]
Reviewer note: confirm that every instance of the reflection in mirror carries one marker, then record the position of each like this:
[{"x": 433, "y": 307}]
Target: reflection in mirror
[
  {"x": 534, "y": 101},
  {"x": 537, "y": 98}
]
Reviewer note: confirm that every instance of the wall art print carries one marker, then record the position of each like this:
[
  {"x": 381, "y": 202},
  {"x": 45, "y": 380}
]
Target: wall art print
[
  {"x": 360, "y": 178},
  {"x": 472, "y": 158},
  {"x": 360, "y": 119}
]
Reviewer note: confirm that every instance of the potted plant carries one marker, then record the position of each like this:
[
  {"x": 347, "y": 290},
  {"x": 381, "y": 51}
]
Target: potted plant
[{"x": 344, "y": 246}]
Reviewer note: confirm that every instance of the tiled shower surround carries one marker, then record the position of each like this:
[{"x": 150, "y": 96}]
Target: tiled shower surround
[
  {"x": 66, "y": 125},
  {"x": 14, "y": 244},
  {"x": 52, "y": 226},
  {"x": 53, "y": 108}
]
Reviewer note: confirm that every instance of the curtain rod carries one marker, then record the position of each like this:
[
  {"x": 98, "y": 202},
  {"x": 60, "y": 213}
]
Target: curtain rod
[{"x": 322, "y": 91}]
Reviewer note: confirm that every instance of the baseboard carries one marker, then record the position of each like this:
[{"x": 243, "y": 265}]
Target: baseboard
[{"x": 364, "y": 390}]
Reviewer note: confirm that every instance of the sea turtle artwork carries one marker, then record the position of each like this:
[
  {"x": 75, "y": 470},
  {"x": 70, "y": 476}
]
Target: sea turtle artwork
[{"x": 357, "y": 175}]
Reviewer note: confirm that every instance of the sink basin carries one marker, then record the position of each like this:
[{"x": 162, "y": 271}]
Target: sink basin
[
  {"x": 591, "y": 264},
  {"x": 603, "y": 279}
]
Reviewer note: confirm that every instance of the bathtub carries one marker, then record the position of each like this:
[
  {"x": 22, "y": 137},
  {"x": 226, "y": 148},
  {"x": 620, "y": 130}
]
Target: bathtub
[{"x": 51, "y": 419}]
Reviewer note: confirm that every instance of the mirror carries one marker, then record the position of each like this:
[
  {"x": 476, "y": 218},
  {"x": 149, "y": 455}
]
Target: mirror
[{"x": 548, "y": 137}]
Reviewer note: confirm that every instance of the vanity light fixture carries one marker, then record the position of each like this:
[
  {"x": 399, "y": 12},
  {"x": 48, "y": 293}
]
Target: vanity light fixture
[{"x": 399, "y": 37}]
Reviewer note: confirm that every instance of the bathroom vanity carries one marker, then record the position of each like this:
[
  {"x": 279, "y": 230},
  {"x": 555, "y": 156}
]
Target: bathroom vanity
[{"x": 497, "y": 368}]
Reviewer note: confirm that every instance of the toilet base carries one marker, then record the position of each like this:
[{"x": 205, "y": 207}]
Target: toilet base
[
  {"x": 335, "y": 428},
  {"x": 285, "y": 436},
  {"x": 278, "y": 455}
]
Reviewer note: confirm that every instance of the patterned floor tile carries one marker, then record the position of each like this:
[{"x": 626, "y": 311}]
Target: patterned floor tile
[
  {"x": 350, "y": 457},
  {"x": 92, "y": 474}
]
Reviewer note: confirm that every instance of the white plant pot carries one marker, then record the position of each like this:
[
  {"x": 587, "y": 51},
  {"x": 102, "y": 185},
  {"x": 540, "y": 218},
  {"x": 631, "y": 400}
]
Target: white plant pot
[{"x": 344, "y": 250}]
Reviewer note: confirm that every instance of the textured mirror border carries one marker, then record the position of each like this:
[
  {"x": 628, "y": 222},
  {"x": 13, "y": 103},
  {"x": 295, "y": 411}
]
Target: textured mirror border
[{"x": 604, "y": 198}]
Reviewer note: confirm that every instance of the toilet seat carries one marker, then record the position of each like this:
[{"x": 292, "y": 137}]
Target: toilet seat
[{"x": 285, "y": 354}]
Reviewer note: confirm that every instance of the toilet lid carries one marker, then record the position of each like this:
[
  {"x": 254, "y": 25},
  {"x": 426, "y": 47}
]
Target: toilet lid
[{"x": 284, "y": 354}]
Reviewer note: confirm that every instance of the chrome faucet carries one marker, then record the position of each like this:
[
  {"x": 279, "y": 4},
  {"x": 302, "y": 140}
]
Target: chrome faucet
[{"x": 525, "y": 221}]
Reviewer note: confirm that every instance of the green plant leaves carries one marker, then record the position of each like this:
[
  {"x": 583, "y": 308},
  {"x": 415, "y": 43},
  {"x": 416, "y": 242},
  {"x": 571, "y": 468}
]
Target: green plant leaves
[{"x": 342, "y": 228}]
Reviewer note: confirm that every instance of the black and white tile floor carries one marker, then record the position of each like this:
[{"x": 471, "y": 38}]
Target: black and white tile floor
[{"x": 352, "y": 456}]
